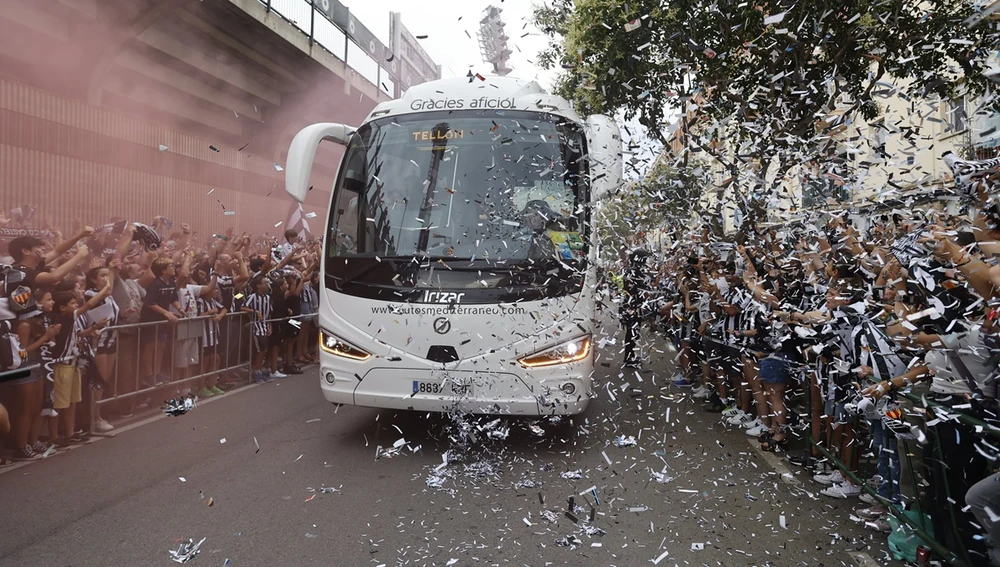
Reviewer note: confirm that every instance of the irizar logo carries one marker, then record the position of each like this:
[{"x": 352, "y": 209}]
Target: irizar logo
[{"x": 442, "y": 297}]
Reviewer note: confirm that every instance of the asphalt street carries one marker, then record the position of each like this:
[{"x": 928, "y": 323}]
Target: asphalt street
[{"x": 714, "y": 498}]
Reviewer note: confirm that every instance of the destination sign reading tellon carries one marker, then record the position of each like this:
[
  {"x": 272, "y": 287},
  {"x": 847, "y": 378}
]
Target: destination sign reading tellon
[{"x": 430, "y": 135}]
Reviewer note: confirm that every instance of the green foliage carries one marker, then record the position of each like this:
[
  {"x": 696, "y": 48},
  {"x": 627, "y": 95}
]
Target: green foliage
[
  {"x": 771, "y": 81},
  {"x": 763, "y": 76},
  {"x": 668, "y": 195}
]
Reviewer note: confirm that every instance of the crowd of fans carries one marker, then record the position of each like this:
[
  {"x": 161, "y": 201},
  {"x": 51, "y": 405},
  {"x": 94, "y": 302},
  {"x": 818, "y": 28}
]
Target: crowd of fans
[
  {"x": 815, "y": 329},
  {"x": 137, "y": 313}
]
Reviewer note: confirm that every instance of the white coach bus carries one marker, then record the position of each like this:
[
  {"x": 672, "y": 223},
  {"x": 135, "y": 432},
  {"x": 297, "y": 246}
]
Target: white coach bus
[{"x": 459, "y": 264}]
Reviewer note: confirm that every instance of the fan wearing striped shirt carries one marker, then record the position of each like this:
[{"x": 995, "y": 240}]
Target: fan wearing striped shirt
[
  {"x": 258, "y": 304},
  {"x": 855, "y": 349},
  {"x": 107, "y": 340},
  {"x": 212, "y": 309},
  {"x": 59, "y": 358}
]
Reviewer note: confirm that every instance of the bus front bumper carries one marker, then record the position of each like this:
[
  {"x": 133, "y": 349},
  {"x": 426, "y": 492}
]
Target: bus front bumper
[{"x": 557, "y": 391}]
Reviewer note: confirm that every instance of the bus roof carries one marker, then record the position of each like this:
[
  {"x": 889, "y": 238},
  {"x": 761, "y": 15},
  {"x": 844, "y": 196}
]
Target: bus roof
[{"x": 489, "y": 93}]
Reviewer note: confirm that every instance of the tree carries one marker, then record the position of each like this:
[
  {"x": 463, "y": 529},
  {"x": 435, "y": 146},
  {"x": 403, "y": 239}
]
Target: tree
[
  {"x": 667, "y": 196},
  {"x": 773, "y": 79}
]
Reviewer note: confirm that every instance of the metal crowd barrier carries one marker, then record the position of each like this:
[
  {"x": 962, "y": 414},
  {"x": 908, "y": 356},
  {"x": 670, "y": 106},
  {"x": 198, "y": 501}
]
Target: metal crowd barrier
[
  {"x": 957, "y": 557},
  {"x": 234, "y": 346}
]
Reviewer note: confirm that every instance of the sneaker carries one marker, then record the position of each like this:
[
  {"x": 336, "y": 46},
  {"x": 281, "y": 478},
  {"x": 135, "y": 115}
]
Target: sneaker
[
  {"x": 757, "y": 430},
  {"x": 843, "y": 490},
  {"x": 205, "y": 393},
  {"x": 701, "y": 393},
  {"x": 880, "y": 525},
  {"x": 833, "y": 478},
  {"x": 39, "y": 447},
  {"x": 259, "y": 377},
  {"x": 869, "y": 499},
  {"x": 752, "y": 424},
  {"x": 730, "y": 411},
  {"x": 294, "y": 369},
  {"x": 216, "y": 390},
  {"x": 872, "y": 513},
  {"x": 278, "y": 374},
  {"x": 25, "y": 454},
  {"x": 103, "y": 426},
  {"x": 740, "y": 419},
  {"x": 804, "y": 459},
  {"x": 875, "y": 481},
  {"x": 683, "y": 383}
]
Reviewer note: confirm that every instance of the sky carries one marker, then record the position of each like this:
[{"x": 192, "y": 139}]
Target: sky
[{"x": 445, "y": 23}]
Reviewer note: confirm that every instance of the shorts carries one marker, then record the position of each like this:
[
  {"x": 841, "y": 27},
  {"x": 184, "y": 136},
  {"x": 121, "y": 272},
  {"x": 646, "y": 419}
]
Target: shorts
[
  {"x": 186, "y": 352},
  {"x": 32, "y": 376},
  {"x": 261, "y": 343},
  {"x": 67, "y": 386},
  {"x": 712, "y": 349},
  {"x": 290, "y": 331},
  {"x": 108, "y": 349},
  {"x": 153, "y": 334},
  {"x": 775, "y": 369}
]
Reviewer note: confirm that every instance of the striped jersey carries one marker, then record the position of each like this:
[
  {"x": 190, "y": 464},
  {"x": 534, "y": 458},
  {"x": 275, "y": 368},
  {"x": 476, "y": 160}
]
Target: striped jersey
[
  {"x": 210, "y": 336},
  {"x": 261, "y": 304},
  {"x": 108, "y": 309}
]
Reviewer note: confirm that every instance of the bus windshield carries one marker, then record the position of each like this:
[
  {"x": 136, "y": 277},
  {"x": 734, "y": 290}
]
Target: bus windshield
[{"x": 497, "y": 190}]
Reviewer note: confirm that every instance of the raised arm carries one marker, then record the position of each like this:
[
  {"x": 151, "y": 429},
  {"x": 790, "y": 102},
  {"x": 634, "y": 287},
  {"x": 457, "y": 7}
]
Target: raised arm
[
  {"x": 57, "y": 275},
  {"x": 61, "y": 248},
  {"x": 212, "y": 284}
]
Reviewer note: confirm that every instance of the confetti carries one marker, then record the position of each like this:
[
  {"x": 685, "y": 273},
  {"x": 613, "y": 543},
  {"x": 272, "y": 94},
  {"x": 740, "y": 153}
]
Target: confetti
[{"x": 775, "y": 19}]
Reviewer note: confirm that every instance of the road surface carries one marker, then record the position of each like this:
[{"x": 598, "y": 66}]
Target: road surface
[{"x": 129, "y": 499}]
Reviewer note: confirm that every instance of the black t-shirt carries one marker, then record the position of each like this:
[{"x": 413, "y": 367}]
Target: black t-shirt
[
  {"x": 30, "y": 274},
  {"x": 279, "y": 305},
  {"x": 159, "y": 293},
  {"x": 294, "y": 305},
  {"x": 62, "y": 348},
  {"x": 226, "y": 292}
]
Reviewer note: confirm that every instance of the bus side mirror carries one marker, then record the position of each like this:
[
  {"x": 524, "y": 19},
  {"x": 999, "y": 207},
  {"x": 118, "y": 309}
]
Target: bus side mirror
[
  {"x": 302, "y": 153},
  {"x": 604, "y": 146}
]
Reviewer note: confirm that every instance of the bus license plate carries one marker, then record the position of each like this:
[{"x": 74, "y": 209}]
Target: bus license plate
[{"x": 444, "y": 387}]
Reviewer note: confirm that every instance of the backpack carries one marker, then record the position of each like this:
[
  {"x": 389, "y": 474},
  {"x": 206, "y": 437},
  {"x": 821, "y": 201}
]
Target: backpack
[{"x": 12, "y": 354}]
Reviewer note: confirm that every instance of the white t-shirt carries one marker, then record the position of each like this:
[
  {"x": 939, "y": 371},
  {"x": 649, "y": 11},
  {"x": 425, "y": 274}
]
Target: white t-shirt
[{"x": 187, "y": 297}]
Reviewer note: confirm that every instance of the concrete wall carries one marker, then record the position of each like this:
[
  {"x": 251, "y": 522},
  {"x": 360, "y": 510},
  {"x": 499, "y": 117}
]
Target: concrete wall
[{"x": 78, "y": 163}]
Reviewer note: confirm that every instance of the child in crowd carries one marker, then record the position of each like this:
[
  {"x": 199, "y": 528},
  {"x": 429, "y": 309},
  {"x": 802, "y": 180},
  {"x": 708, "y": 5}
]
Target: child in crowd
[{"x": 258, "y": 304}]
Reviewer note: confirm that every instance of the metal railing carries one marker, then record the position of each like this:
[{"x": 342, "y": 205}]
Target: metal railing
[
  {"x": 233, "y": 345},
  {"x": 959, "y": 557}
]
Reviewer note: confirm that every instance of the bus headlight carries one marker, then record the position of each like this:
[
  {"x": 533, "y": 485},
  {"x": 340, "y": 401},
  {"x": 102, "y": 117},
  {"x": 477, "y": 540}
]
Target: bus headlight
[
  {"x": 570, "y": 351},
  {"x": 334, "y": 345}
]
